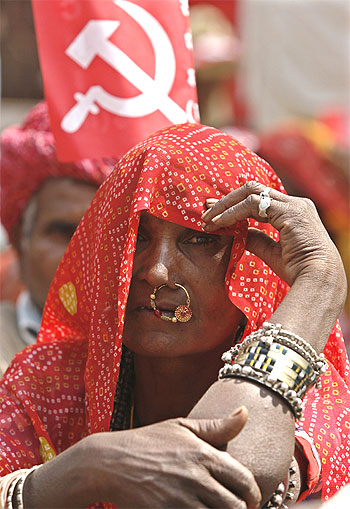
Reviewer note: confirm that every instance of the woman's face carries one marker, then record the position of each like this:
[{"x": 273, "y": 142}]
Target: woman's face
[{"x": 167, "y": 253}]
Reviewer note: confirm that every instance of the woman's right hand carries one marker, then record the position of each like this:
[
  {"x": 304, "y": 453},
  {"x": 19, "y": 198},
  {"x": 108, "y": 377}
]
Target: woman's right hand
[
  {"x": 174, "y": 463},
  {"x": 305, "y": 257}
]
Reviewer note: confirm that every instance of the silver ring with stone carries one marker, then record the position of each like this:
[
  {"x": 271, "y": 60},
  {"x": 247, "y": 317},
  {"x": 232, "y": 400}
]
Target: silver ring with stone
[{"x": 265, "y": 201}]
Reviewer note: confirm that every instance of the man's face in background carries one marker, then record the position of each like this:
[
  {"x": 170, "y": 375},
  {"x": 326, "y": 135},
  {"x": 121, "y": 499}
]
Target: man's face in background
[{"x": 47, "y": 227}]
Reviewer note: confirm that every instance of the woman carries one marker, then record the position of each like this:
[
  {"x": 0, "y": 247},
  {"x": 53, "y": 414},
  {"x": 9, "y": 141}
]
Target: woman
[{"x": 142, "y": 256}]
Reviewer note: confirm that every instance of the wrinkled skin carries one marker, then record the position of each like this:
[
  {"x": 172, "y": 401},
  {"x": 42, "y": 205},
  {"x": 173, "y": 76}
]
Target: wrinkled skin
[{"x": 175, "y": 463}]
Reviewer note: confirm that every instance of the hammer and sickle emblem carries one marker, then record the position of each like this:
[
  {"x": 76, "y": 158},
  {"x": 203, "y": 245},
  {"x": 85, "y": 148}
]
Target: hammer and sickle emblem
[{"x": 93, "y": 41}]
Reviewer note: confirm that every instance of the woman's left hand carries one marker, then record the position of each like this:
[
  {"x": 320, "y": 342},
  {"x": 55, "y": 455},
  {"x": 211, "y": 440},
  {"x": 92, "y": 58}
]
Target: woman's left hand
[{"x": 304, "y": 247}]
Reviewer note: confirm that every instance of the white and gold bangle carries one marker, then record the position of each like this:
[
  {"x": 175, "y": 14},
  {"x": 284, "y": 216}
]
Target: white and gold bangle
[
  {"x": 16, "y": 487},
  {"x": 277, "y": 359},
  {"x": 19, "y": 487},
  {"x": 5, "y": 484},
  {"x": 11, "y": 491}
]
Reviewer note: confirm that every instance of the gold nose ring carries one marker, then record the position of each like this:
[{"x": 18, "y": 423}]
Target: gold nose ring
[{"x": 182, "y": 313}]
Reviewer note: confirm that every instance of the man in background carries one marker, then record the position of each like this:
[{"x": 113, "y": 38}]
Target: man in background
[{"x": 42, "y": 202}]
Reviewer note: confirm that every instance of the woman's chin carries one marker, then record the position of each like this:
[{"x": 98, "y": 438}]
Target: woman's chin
[{"x": 157, "y": 343}]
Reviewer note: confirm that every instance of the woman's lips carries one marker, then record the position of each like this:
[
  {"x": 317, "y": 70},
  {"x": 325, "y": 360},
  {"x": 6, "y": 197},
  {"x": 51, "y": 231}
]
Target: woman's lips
[{"x": 166, "y": 312}]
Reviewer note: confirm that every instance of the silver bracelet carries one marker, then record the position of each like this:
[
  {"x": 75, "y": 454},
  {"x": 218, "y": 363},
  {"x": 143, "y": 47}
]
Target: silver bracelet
[
  {"x": 298, "y": 344},
  {"x": 281, "y": 388},
  {"x": 284, "y": 494},
  {"x": 270, "y": 333}
]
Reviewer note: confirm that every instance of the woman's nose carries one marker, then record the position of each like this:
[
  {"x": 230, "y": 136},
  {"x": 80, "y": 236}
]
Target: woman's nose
[
  {"x": 158, "y": 268},
  {"x": 157, "y": 274}
]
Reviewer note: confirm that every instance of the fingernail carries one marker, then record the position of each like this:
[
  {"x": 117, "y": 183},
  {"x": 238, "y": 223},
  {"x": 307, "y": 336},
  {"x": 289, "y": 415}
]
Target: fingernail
[
  {"x": 210, "y": 205},
  {"x": 217, "y": 218},
  {"x": 238, "y": 411}
]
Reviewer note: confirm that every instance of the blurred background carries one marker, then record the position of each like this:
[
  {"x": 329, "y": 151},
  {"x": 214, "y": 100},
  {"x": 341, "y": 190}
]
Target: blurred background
[{"x": 273, "y": 73}]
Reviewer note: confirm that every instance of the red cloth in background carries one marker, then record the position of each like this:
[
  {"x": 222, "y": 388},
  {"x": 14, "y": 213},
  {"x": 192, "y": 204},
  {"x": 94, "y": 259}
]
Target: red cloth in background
[
  {"x": 28, "y": 158},
  {"x": 296, "y": 158}
]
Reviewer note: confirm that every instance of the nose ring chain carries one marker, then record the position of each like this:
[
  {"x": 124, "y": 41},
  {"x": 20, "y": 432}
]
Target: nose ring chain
[{"x": 182, "y": 313}]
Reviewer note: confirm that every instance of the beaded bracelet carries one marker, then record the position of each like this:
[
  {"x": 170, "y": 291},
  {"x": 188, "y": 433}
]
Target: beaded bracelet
[
  {"x": 284, "y": 492},
  {"x": 281, "y": 388}
]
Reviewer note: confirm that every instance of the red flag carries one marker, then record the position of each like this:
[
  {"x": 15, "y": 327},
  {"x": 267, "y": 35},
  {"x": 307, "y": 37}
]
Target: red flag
[{"x": 114, "y": 71}]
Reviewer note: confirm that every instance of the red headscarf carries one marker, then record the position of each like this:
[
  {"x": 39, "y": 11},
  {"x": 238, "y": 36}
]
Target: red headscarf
[
  {"x": 78, "y": 353},
  {"x": 28, "y": 158}
]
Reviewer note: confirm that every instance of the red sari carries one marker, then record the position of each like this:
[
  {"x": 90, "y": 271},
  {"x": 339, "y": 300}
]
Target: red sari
[{"x": 62, "y": 388}]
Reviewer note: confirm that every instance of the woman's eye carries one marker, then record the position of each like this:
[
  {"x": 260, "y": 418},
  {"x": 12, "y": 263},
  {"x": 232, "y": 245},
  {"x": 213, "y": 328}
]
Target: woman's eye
[
  {"x": 61, "y": 229},
  {"x": 200, "y": 239},
  {"x": 141, "y": 237}
]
